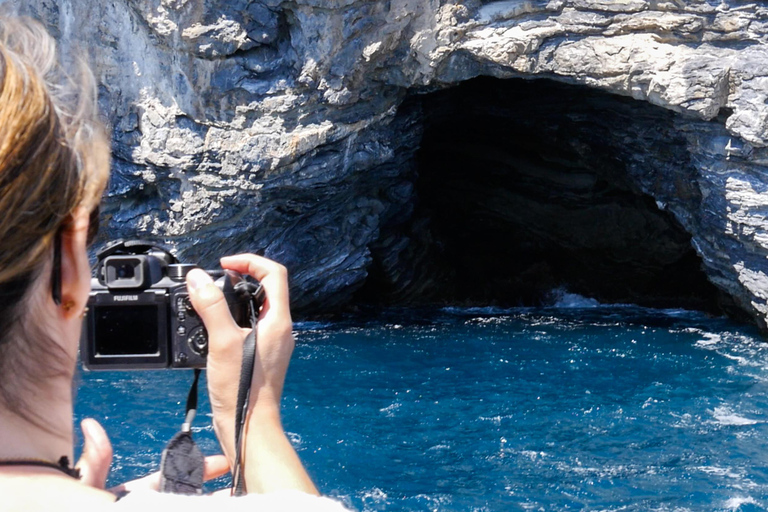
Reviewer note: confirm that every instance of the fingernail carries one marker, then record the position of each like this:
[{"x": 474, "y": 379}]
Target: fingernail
[{"x": 197, "y": 278}]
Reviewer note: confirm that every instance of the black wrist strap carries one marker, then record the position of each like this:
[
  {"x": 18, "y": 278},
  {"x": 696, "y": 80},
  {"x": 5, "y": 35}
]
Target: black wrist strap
[
  {"x": 189, "y": 416},
  {"x": 182, "y": 464},
  {"x": 243, "y": 395}
]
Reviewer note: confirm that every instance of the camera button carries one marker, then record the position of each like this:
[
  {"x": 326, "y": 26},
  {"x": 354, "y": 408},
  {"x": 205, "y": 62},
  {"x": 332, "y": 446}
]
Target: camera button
[
  {"x": 188, "y": 306},
  {"x": 181, "y": 330},
  {"x": 198, "y": 340}
]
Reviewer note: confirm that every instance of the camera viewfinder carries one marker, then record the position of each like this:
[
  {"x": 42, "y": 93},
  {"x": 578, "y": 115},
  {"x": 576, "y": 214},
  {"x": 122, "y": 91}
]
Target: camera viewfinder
[{"x": 126, "y": 272}]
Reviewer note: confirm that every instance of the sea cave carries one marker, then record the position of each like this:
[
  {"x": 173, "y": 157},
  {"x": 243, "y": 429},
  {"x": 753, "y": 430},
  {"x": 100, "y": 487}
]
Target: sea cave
[{"x": 527, "y": 189}]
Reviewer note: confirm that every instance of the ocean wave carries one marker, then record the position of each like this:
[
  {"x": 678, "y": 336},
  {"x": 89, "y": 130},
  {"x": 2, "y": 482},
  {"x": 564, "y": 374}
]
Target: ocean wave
[
  {"x": 736, "y": 503},
  {"x": 480, "y": 310},
  {"x": 373, "y": 496},
  {"x": 310, "y": 325},
  {"x": 709, "y": 340},
  {"x": 389, "y": 410},
  {"x": 725, "y": 416},
  {"x": 719, "y": 471},
  {"x": 565, "y": 300}
]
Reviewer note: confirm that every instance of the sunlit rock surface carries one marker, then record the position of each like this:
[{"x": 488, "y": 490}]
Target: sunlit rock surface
[{"x": 294, "y": 128}]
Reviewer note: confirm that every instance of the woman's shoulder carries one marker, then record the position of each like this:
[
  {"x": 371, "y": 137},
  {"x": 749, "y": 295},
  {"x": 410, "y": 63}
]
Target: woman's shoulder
[
  {"x": 25, "y": 491},
  {"x": 282, "y": 501}
]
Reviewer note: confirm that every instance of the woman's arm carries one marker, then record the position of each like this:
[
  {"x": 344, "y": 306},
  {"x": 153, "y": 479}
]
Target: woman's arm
[{"x": 270, "y": 462}]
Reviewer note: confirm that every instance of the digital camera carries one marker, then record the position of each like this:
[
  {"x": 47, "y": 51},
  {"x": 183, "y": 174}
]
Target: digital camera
[{"x": 139, "y": 312}]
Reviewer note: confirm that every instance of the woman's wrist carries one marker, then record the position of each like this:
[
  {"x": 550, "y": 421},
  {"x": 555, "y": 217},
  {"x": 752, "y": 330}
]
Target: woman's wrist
[
  {"x": 263, "y": 417},
  {"x": 264, "y": 414},
  {"x": 271, "y": 462},
  {"x": 225, "y": 433}
]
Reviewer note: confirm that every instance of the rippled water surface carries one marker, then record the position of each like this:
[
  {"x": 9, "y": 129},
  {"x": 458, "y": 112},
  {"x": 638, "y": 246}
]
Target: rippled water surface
[{"x": 553, "y": 409}]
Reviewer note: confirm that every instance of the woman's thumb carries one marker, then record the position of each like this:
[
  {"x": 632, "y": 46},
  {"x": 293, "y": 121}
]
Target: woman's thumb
[
  {"x": 96, "y": 459},
  {"x": 209, "y": 302}
]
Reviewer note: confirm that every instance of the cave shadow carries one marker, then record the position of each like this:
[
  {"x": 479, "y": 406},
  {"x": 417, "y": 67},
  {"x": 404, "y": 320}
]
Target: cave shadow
[{"x": 527, "y": 189}]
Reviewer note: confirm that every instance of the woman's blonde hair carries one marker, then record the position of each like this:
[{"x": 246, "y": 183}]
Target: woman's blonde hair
[{"x": 54, "y": 158}]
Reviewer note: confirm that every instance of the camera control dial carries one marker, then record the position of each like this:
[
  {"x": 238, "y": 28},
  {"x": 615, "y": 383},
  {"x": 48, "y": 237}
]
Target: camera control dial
[{"x": 198, "y": 341}]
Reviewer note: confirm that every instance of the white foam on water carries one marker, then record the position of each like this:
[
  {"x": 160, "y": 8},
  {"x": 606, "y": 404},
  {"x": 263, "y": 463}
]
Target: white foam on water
[
  {"x": 533, "y": 455},
  {"x": 607, "y": 471},
  {"x": 684, "y": 420},
  {"x": 725, "y": 416},
  {"x": 745, "y": 351},
  {"x": 718, "y": 471},
  {"x": 375, "y": 494},
  {"x": 490, "y": 320},
  {"x": 389, "y": 410},
  {"x": 743, "y": 361},
  {"x": 736, "y": 502},
  {"x": 496, "y": 420},
  {"x": 435, "y": 503},
  {"x": 295, "y": 439},
  {"x": 710, "y": 339}
]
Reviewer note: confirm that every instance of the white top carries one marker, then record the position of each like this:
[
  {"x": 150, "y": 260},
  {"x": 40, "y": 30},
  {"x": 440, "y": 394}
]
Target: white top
[{"x": 282, "y": 501}]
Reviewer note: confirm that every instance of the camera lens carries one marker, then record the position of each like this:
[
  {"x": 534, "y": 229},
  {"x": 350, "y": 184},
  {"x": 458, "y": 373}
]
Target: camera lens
[{"x": 125, "y": 271}]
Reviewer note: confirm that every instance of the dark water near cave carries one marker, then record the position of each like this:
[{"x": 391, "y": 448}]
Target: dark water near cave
[{"x": 600, "y": 408}]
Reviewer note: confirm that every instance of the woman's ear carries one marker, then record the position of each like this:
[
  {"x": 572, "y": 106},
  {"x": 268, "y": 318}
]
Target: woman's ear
[{"x": 75, "y": 270}]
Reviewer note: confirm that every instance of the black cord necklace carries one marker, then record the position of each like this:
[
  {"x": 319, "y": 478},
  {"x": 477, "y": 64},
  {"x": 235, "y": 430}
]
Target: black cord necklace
[{"x": 63, "y": 465}]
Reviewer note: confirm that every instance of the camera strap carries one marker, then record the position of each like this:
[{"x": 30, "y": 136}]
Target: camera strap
[
  {"x": 182, "y": 462},
  {"x": 244, "y": 393}
]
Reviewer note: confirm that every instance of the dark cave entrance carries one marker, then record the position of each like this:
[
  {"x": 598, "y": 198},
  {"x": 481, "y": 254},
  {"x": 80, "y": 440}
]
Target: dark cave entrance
[{"x": 525, "y": 188}]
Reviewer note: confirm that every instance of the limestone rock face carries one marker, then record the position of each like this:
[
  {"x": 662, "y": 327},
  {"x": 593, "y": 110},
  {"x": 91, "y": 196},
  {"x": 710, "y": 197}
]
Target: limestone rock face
[{"x": 294, "y": 128}]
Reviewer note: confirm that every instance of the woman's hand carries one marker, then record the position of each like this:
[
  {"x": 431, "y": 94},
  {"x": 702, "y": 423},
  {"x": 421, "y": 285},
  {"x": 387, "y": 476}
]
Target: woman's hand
[
  {"x": 278, "y": 466},
  {"x": 274, "y": 335},
  {"x": 215, "y": 466},
  {"x": 96, "y": 458},
  {"x": 274, "y": 342}
]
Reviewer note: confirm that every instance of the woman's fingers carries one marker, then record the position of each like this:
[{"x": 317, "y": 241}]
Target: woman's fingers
[
  {"x": 272, "y": 275},
  {"x": 96, "y": 459},
  {"x": 256, "y": 266},
  {"x": 215, "y": 466}
]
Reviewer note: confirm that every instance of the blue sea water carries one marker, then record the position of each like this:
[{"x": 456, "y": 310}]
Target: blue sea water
[{"x": 571, "y": 408}]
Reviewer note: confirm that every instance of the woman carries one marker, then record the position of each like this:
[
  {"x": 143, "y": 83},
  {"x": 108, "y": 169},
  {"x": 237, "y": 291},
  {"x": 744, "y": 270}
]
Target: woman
[{"x": 54, "y": 161}]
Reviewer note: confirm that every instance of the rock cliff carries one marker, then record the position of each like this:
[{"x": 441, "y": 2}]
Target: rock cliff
[{"x": 313, "y": 131}]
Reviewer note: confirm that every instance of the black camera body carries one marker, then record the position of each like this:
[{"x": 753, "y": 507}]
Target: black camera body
[{"x": 139, "y": 312}]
